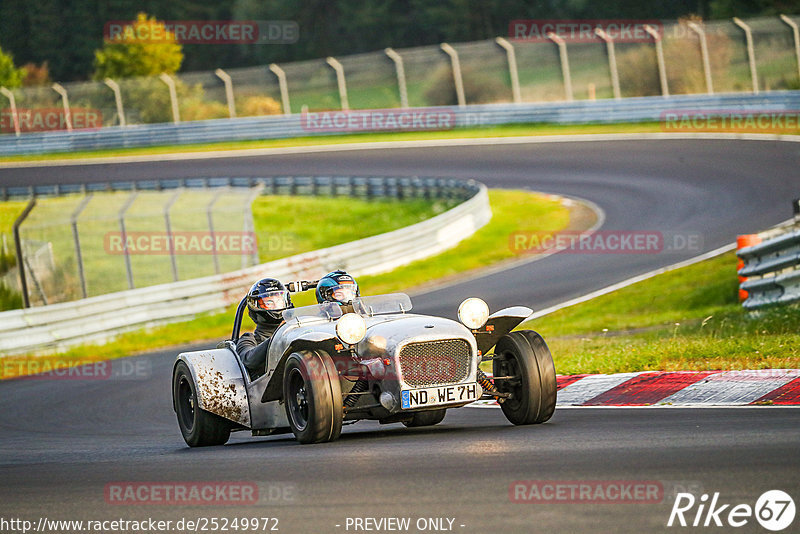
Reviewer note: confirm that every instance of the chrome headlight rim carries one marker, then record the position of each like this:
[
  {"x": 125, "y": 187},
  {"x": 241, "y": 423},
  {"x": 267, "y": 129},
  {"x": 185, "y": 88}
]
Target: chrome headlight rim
[
  {"x": 473, "y": 313},
  {"x": 351, "y": 328}
]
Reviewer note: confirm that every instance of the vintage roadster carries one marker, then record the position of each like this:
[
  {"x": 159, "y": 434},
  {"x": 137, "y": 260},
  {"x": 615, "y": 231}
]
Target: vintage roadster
[{"x": 372, "y": 360}]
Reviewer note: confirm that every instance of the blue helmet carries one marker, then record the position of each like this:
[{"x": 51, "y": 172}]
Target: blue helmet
[{"x": 337, "y": 286}]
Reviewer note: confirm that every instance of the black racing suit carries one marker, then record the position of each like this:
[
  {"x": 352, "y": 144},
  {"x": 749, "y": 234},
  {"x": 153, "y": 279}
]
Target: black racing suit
[{"x": 252, "y": 348}]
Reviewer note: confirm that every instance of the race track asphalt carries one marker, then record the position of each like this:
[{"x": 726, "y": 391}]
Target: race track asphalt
[{"x": 63, "y": 441}]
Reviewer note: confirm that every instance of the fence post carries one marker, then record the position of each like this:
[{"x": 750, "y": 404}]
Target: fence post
[
  {"x": 562, "y": 53},
  {"x": 612, "y": 61},
  {"x": 512, "y": 67},
  {"x": 249, "y": 225},
  {"x": 796, "y": 34},
  {"x": 274, "y": 68},
  {"x": 704, "y": 52},
  {"x": 340, "y": 81},
  {"x": 751, "y": 55},
  {"x": 168, "y": 225},
  {"x": 456, "y": 64},
  {"x": 226, "y": 79},
  {"x": 662, "y": 68},
  {"x": 114, "y": 86},
  {"x": 173, "y": 96},
  {"x": 58, "y": 88},
  {"x": 210, "y": 218},
  {"x": 401, "y": 75},
  {"x": 13, "y": 103},
  {"x": 73, "y": 220},
  {"x": 23, "y": 283},
  {"x": 121, "y": 218}
]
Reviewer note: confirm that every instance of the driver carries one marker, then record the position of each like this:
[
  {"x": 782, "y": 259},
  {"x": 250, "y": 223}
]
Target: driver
[
  {"x": 337, "y": 286},
  {"x": 266, "y": 300}
]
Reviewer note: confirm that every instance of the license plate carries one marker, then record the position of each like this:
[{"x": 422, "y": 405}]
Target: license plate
[{"x": 417, "y": 398}]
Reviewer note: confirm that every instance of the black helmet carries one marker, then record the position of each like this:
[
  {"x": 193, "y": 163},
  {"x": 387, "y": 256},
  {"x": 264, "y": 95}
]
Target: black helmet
[
  {"x": 266, "y": 300},
  {"x": 337, "y": 286}
]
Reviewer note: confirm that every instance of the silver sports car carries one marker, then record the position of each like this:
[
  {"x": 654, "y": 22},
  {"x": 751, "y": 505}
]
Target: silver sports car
[{"x": 329, "y": 365}]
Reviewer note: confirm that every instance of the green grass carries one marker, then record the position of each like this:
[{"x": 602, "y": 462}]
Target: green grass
[
  {"x": 288, "y": 225},
  {"x": 512, "y": 210},
  {"x": 687, "y": 319}
]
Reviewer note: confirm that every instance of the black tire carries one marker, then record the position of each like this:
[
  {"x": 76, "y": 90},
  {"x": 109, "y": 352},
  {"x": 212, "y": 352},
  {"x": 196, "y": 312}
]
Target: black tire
[
  {"x": 427, "y": 418},
  {"x": 524, "y": 354},
  {"x": 198, "y": 427},
  {"x": 313, "y": 397}
]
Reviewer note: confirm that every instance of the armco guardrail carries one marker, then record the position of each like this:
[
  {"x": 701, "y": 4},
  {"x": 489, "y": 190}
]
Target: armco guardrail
[
  {"x": 772, "y": 268},
  {"x": 274, "y": 127},
  {"x": 99, "y": 318}
]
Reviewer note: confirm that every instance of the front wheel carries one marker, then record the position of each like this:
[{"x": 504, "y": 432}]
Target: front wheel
[
  {"x": 524, "y": 357},
  {"x": 427, "y": 418},
  {"x": 198, "y": 427},
  {"x": 313, "y": 397}
]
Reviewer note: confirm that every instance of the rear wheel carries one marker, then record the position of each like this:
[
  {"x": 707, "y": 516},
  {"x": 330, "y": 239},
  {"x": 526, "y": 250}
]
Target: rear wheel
[
  {"x": 198, "y": 427},
  {"x": 427, "y": 418},
  {"x": 524, "y": 356},
  {"x": 313, "y": 397}
]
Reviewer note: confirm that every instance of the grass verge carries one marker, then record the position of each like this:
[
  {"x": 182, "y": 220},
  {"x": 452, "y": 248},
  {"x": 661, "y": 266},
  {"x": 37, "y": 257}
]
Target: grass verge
[
  {"x": 513, "y": 210},
  {"x": 686, "y": 319}
]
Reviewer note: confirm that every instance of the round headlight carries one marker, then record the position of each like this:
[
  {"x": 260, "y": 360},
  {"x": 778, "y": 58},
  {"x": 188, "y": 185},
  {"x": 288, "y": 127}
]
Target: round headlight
[
  {"x": 351, "y": 328},
  {"x": 473, "y": 312}
]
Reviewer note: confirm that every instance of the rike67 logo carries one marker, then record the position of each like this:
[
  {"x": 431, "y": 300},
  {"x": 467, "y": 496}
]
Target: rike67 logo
[{"x": 774, "y": 510}]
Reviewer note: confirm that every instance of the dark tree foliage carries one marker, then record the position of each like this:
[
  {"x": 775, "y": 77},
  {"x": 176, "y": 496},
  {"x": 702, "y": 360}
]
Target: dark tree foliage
[{"x": 65, "y": 33}]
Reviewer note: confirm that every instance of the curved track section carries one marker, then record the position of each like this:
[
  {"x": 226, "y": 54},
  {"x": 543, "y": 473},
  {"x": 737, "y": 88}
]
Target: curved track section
[{"x": 63, "y": 441}]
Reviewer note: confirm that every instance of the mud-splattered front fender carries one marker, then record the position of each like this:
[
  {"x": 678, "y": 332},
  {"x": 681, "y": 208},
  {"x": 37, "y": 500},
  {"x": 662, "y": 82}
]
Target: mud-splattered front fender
[{"x": 220, "y": 383}]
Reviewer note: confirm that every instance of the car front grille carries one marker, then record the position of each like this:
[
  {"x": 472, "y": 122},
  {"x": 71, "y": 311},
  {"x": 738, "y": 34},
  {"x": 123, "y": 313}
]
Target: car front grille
[{"x": 434, "y": 363}]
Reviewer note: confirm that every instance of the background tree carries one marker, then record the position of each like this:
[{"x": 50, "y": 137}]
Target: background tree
[
  {"x": 128, "y": 56},
  {"x": 10, "y": 76}
]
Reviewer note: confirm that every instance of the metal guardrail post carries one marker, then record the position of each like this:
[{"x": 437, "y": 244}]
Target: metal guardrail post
[
  {"x": 23, "y": 283},
  {"x": 612, "y": 61},
  {"x": 796, "y": 35},
  {"x": 73, "y": 220},
  {"x": 456, "y": 65},
  {"x": 340, "y": 81},
  {"x": 13, "y": 104},
  {"x": 564, "y": 57},
  {"x": 168, "y": 225},
  {"x": 173, "y": 96},
  {"x": 123, "y": 231},
  {"x": 400, "y": 70},
  {"x": 512, "y": 68},
  {"x": 58, "y": 88},
  {"x": 704, "y": 53},
  {"x": 114, "y": 86},
  {"x": 284, "y": 87},
  {"x": 662, "y": 68},
  {"x": 226, "y": 79},
  {"x": 751, "y": 55}
]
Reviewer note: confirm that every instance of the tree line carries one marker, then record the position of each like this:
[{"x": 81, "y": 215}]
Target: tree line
[{"x": 65, "y": 34}]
